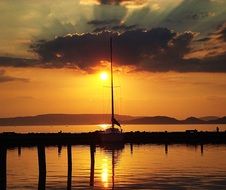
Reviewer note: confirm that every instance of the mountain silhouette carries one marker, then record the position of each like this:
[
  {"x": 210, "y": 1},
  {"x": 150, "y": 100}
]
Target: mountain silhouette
[{"x": 84, "y": 119}]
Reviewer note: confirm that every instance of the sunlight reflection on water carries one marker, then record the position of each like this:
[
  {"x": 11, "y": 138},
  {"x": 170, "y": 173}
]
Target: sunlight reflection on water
[{"x": 146, "y": 167}]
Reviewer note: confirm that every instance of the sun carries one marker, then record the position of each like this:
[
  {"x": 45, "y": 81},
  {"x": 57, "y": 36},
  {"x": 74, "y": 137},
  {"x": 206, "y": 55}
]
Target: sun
[{"x": 103, "y": 76}]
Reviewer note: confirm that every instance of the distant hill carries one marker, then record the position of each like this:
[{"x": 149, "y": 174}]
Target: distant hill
[
  {"x": 62, "y": 119},
  {"x": 193, "y": 120},
  {"x": 209, "y": 118},
  {"x": 154, "y": 120},
  {"x": 82, "y": 119},
  {"x": 219, "y": 121}
]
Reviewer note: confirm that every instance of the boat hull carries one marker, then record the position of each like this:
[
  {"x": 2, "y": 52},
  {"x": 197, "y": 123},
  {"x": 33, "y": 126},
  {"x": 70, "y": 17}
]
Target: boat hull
[{"x": 111, "y": 137}]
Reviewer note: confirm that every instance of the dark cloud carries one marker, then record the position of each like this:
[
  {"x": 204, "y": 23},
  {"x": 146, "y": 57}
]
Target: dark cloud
[
  {"x": 86, "y": 51},
  {"x": 156, "y": 50},
  {"x": 18, "y": 62},
  {"x": 222, "y": 32},
  {"x": 98, "y": 23},
  {"x": 112, "y": 2},
  {"x": 6, "y": 78},
  {"x": 214, "y": 44},
  {"x": 203, "y": 39},
  {"x": 117, "y": 28},
  {"x": 111, "y": 25}
]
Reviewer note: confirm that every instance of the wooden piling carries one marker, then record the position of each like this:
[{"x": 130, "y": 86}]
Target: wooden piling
[
  {"x": 42, "y": 167},
  {"x": 3, "y": 161},
  {"x": 92, "y": 168},
  {"x": 69, "y": 158}
]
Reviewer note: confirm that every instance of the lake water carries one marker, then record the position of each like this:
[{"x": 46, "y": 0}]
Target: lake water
[
  {"x": 126, "y": 128},
  {"x": 148, "y": 166}
]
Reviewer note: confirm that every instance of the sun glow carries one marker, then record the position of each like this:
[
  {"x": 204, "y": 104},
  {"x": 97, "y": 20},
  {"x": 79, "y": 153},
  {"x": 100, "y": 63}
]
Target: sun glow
[
  {"x": 104, "y": 172},
  {"x": 104, "y": 126},
  {"x": 103, "y": 76}
]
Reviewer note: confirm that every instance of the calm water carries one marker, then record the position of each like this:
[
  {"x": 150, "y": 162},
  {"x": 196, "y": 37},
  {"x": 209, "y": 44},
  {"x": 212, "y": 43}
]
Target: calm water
[
  {"x": 128, "y": 167},
  {"x": 126, "y": 128}
]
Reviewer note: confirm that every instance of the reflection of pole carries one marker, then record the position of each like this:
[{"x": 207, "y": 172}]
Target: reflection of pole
[
  {"x": 42, "y": 167},
  {"x": 201, "y": 148},
  {"x": 131, "y": 148},
  {"x": 166, "y": 148},
  {"x": 19, "y": 150},
  {"x": 92, "y": 168},
  {"x": 3, "y": 156},
  {"x": 69, "y": 159},
  {"x": 113, "y": 169},
  {"x": 59, "y": 150}
]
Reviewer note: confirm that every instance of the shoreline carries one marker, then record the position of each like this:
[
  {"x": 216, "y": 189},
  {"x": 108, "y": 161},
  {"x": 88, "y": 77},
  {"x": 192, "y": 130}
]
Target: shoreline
[{"x": 188, "y": 137}]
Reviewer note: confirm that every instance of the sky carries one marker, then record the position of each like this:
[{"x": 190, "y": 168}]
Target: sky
[{"x": 169, "y": 57}]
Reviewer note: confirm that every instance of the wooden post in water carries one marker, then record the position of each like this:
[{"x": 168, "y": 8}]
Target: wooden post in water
[
  {"x": 42, "y": 167},
  {"x": 201, "y": 149},
  {"x": 19, "y": 150},
  {"x": 3, "y": 161},
  {"x": 92, "y": 168},
  {"x": 59, "y": 150},
  {"x": 69, "y": 171},
  {"x": 166, "y": 148},
  {"x": 131, "y": 148}
]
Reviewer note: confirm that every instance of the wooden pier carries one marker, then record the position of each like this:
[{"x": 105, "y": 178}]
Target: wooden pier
[{"x": 9, "y": 140}]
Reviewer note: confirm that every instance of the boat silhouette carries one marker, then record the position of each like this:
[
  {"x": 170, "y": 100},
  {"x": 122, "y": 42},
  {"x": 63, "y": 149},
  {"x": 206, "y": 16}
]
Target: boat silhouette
[{"x": 112, "y": 133}]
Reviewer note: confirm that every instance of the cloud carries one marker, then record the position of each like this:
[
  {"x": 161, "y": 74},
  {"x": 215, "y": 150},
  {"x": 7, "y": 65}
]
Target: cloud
[
  {"x": 18, "y": 62},
  {"x": 115, "y": 2},
  {"x": 155, "y": 50},
  {"x": 6, "y": 78},
  {"x": 214, "y": 44},
  {"x": 87, "y": 50},
  {"x": 104, "y": 22},
  {"x": 222, "y": 32}
]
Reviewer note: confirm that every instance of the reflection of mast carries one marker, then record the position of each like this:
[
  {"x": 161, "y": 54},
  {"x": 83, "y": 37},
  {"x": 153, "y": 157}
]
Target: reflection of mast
[{"x": 113, "y": 169}]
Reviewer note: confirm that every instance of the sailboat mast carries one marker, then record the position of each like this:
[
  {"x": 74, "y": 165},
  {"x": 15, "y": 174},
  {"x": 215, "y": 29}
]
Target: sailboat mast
[{"x": 112, "y": 87}]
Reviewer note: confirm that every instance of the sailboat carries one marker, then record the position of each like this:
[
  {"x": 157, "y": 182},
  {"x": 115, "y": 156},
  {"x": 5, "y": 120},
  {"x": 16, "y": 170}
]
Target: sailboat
[{"x": 112, "y": 134}]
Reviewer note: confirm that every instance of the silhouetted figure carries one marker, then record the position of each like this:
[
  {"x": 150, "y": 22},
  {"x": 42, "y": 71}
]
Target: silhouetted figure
[
  {"x": 166, "y": 149},
  {"x": 3, "y": 160},
  {"x": 131, "y": 148},
  {"x": 201, "y": 149},
  {"x": 59, "y": 150},
  {"x": 19, "y": 150},
  {"x": 69, "y": 159},
  {"x": 92, "y": 167},
  {"x": 42, "y": 167},
  {"x": 217, "y": 129}
]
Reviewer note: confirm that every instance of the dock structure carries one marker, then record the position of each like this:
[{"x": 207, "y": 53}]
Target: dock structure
[
  {"x": 8, "y": 140},
  {"x": 31, "y": 139}
]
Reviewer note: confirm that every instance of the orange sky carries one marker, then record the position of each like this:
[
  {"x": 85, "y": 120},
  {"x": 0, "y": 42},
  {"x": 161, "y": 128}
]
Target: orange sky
[
  {"x": 177, "y": 49},
  {"x": 68, "y": 91}
]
